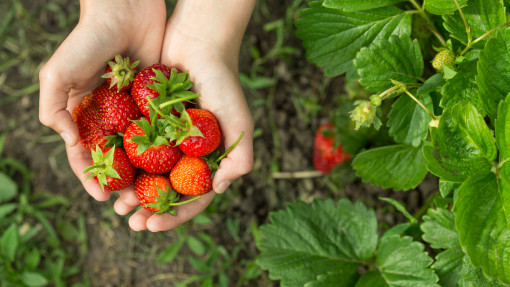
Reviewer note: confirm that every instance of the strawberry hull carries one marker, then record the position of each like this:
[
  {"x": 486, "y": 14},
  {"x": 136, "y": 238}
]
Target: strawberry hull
[
  {"x": 198, "y": 146},
  {"x": 157, "y": 159},
  {"x": 140, "y": 91}
]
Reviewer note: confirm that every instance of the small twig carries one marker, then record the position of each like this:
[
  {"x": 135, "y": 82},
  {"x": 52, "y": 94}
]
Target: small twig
[{"x": 297, "y": 174}]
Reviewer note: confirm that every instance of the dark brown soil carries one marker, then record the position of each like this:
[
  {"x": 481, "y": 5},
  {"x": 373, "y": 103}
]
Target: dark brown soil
[{"x": 118, "y": 256}]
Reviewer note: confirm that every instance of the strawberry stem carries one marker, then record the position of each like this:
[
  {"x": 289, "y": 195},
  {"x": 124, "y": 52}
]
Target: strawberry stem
[
  {"x": 166, "y": 117},
  {"x": 230, "y": 148},
  {"x": 184, "y": 202},
  {"x": 178, "y": 100}
]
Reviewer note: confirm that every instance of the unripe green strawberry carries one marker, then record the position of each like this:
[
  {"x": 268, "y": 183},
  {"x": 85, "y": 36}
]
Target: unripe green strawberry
[{"x": 444, "y": 57}]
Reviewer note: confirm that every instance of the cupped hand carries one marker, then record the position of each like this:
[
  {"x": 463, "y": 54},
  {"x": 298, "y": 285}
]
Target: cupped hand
[
  {"x": 213, "y": 67},
  {"x": 105, "y": 28}
]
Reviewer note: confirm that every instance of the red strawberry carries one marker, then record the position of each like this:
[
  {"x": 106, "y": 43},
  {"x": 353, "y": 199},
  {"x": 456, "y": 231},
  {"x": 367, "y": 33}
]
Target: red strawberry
[
  {"x": 325, "y": 155},
  {"x": 120, "y": 73},
  {"x": 210, "y": 140},
  {"x": 191, "y": 176},
  {"x": 140, "y": 89},
  {"x": 103, "y": 113},
  {"x": 148, "y": 150},
  {"x": 156, "y": 195},
  {"x": 117, "y": 109},
  {"x": 111, "y": 169},
  {"x": 165, "y": 86},
  {"x": 88, "y": 119}
]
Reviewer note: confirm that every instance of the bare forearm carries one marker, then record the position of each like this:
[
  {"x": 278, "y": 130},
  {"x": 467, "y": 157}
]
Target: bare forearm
[{"x": 217, "y": 24}]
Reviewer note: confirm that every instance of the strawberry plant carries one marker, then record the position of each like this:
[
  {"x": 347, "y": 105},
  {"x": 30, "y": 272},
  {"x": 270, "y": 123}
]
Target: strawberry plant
[{"x": 438, "y": 73}]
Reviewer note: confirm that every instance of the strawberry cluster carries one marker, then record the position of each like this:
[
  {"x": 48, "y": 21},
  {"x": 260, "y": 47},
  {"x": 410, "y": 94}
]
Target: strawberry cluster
[{"x": 143, "y": 128}]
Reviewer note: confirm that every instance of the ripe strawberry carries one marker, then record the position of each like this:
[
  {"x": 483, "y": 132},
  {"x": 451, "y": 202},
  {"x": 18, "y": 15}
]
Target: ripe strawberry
[
  {"x": 210, "y": 138},
  {"x": 148, "y": 150},
  {"x": 191, "y": 176},
  {"x": 156, "y": 195},
  {"x": 443, "y": 57},
  {"x": 117, "y": 109},
  {"x": 164, "y": 85},
  {"x": 111, "y": 169},
  {"x": 88, "y": 119},
  {"x": 325, "y": 155},
  {"x": 102, "y": 114},
  {"x": 120, "y": 73}
]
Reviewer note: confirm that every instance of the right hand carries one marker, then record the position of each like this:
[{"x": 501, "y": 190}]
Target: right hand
[{"x": 129, "y": 27}]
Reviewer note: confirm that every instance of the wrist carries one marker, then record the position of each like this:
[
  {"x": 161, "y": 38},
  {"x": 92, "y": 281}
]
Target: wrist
[{"x": 215, "y": 28}]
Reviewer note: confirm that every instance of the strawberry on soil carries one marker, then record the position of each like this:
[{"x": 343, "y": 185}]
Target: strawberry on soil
[{"x": 326, "y": 155}]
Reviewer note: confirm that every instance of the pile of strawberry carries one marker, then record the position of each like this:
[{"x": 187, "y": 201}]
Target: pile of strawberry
[{"x": 144, "y": 128}]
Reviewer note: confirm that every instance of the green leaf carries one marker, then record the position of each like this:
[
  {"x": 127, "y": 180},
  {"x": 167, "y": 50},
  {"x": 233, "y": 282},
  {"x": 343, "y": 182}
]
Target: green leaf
[
  {"x": 481, "y": 16},
  {"x": 439, "y": 7},
  {"x": 399, "y": 167},
  {"x": 432, "y": 84},
  {"x": 446, "y": 187},
  {"x": 358, "y": 5},
  {"x": 398, "y": 58},
  {"x": 33, "y": 279},
  {"x": 8, "y": 188},
  {"x": 400, "y": 262},
  {"x": 6, "y": 209},
  {"x": 169, "y": 254},
  {"x": 195, "y": 245},
  {"x": 463, "y": 144},
  {"x": 473, "y": 277},
  {"x": 408, "y": 121},
  {"x": 494, "y": 71},
  {"x": 9, "y": 242},
  {"x": 462, "y": 88},
  {"x": 299, "y": 248},
  {"x": 332, "y": 37},
  {"x": 502, "y": 127},
  {"x": 199, "y": 265},
  {"x": 439, "y": 231},
  {"x": 482, "y": 220},
  {"x": 400, "y": 207}
]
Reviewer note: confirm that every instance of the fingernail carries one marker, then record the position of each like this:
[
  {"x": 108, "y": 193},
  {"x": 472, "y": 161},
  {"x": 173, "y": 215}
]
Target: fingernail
[
  {"x": 222, "y": 187},
  {"x": 66, "y": 137}
]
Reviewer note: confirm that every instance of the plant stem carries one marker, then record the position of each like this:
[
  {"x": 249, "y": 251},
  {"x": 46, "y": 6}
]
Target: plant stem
[
  {"x": 421, "y": 10},
  {"x": 159, "y": 112},
  {"x": 178, "y": 100},
  {"x": 184, "y": 202},
  {"x": 425, "y": 206},
  {"x": 231, "y": 147},
  {"x": 468, "y": 29},
  {"x": 470, "y": 45},
  {"x": 438, "y": 35},
  {"x": 500, "y": 165},
  {"x": 420, "y": 103}
]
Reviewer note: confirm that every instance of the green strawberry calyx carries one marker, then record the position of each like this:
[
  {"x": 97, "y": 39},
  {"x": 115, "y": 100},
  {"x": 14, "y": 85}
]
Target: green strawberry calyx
[
  {"x": 167, "y": 199},
  {"x": 173, "y": 91},
  {"x": 153, "y": 135},
  {"x": 176, "y": 129},
  {"x": 102, "y": 168},
  {"x": 123, "y": 72}
]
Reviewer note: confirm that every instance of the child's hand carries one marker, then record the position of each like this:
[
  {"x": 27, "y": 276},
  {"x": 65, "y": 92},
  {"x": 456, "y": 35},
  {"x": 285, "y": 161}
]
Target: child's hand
[
  {"x": 198, "y": 40},
  {"x": 106, "y": 28}
]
